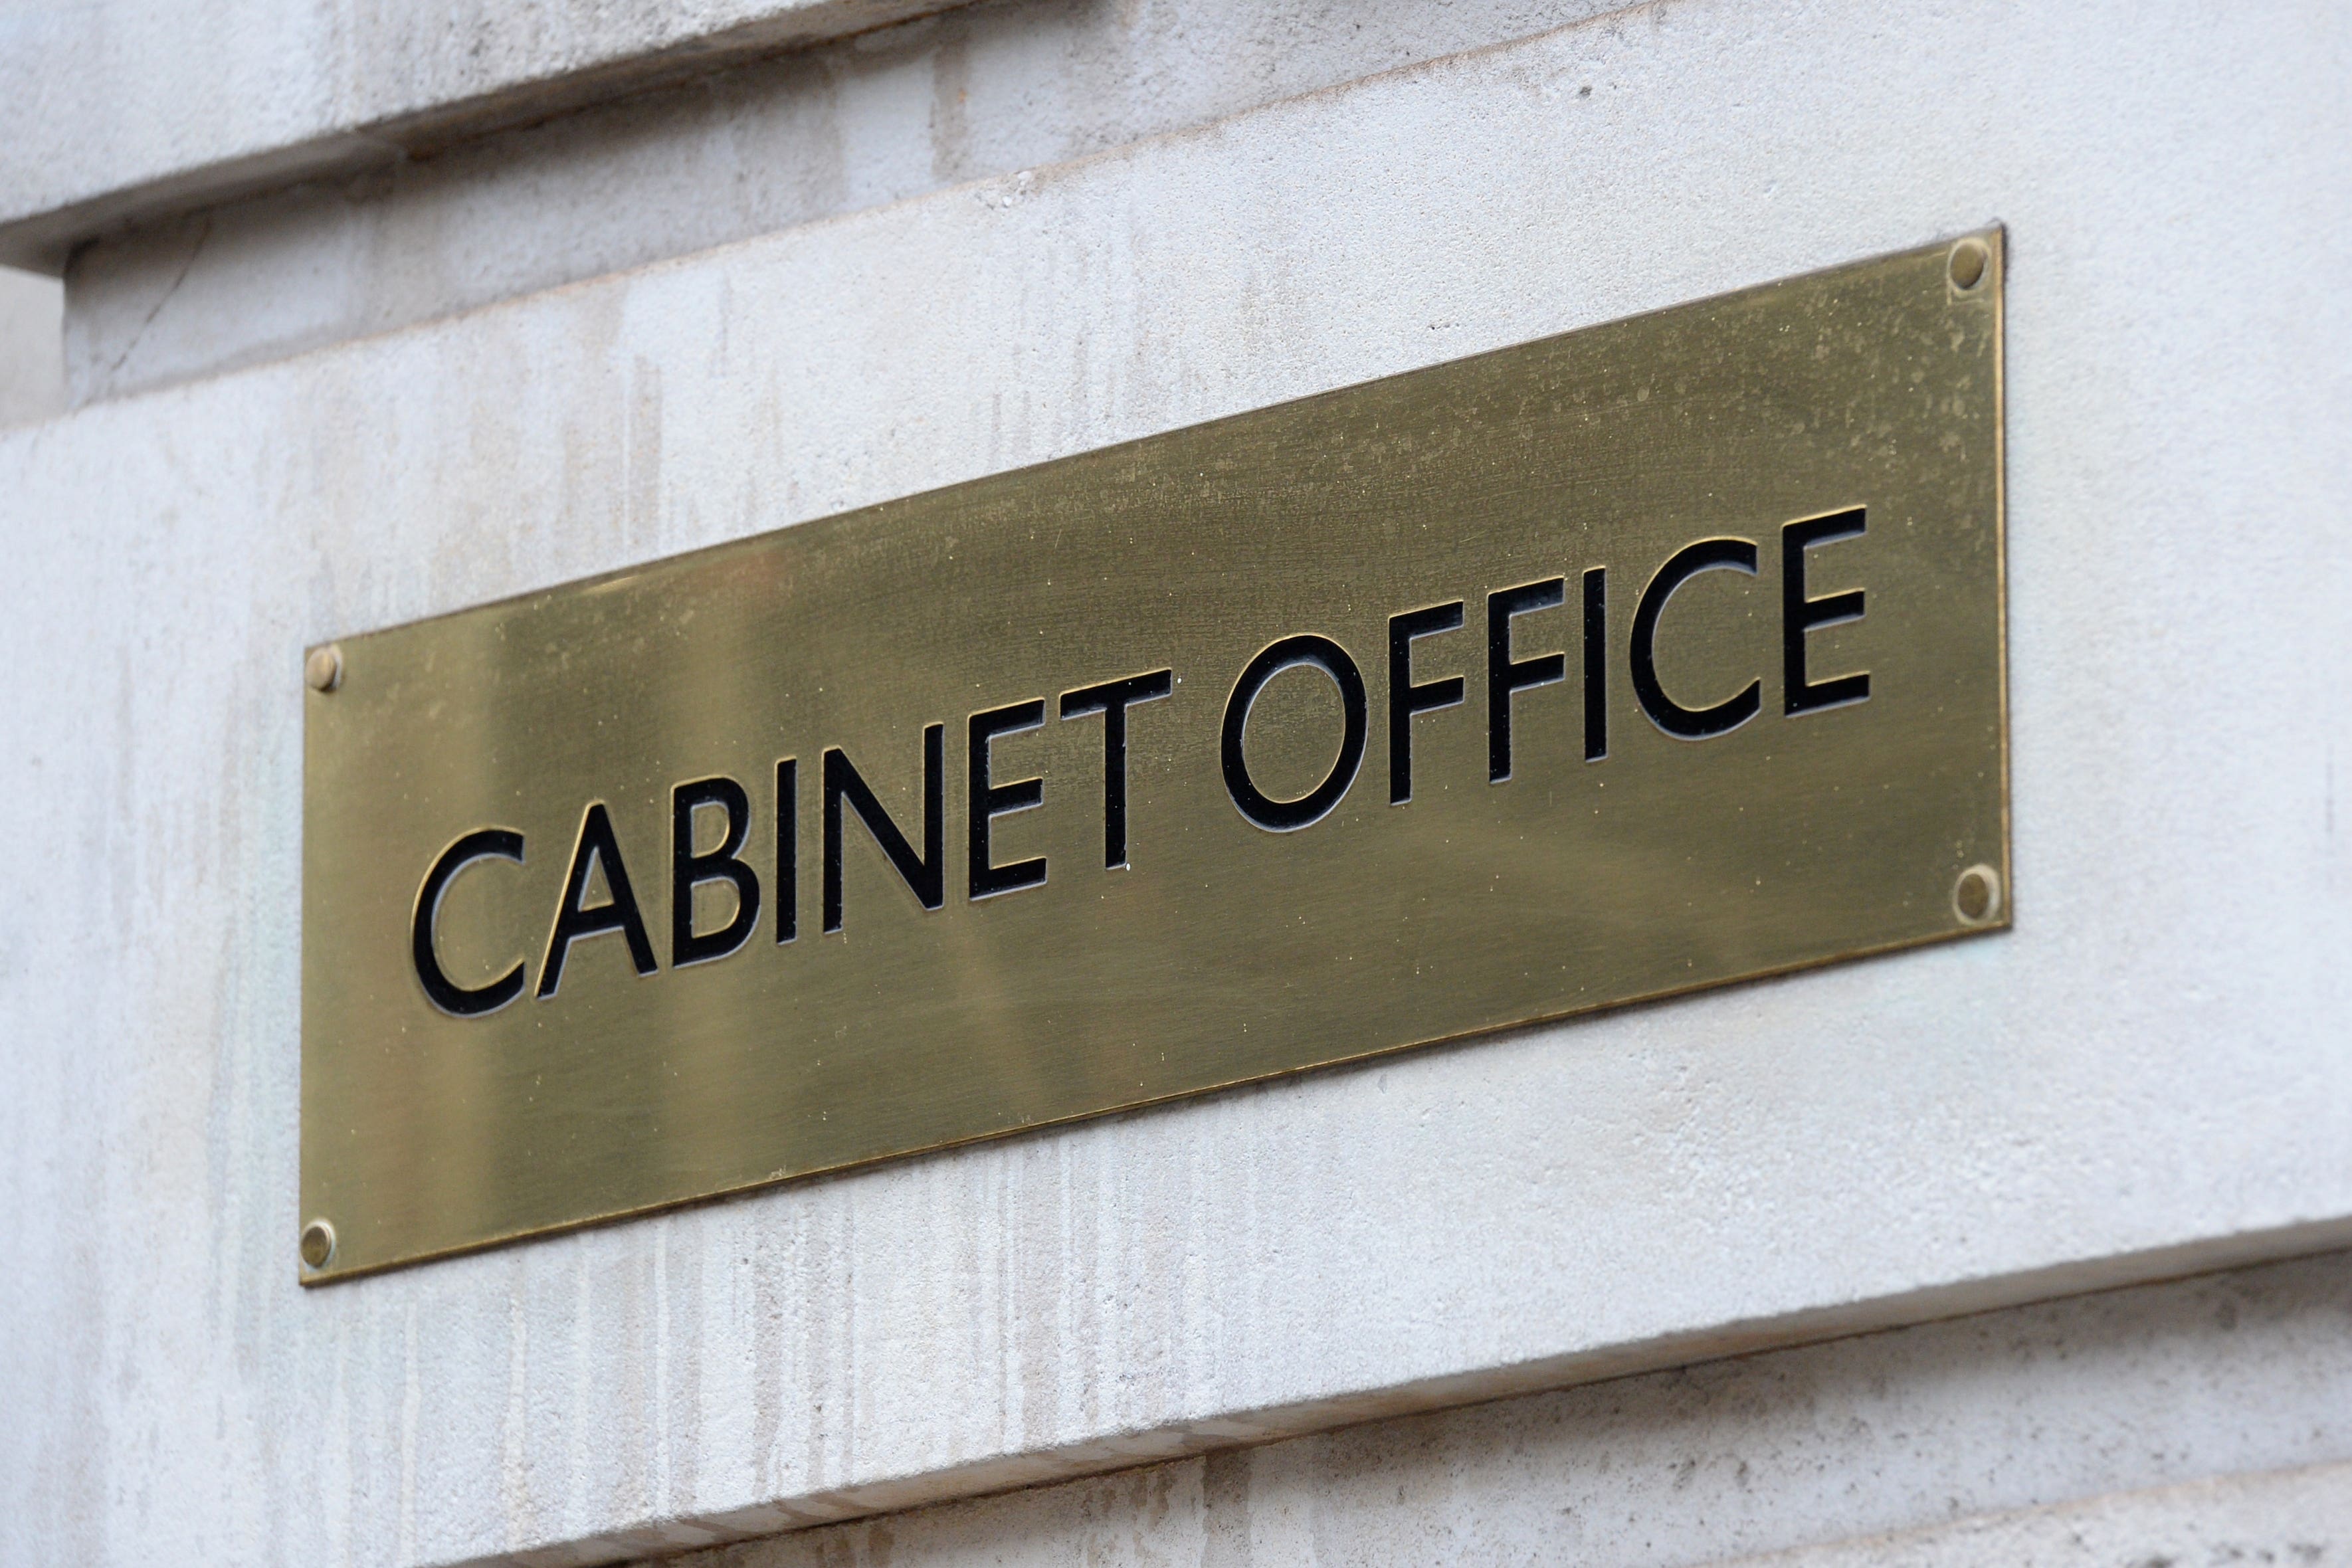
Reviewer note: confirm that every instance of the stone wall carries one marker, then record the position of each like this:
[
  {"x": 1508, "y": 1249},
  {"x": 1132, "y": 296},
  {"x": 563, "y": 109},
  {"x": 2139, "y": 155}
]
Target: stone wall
[
  {"x": 369, "y": 388},
  {"x": 2200, "y": 1423}
]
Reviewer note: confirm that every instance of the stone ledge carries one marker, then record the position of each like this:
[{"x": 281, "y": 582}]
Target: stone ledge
[
  {"x": 2205, "y": 1415},
  {"x": 109, "y": 118}
]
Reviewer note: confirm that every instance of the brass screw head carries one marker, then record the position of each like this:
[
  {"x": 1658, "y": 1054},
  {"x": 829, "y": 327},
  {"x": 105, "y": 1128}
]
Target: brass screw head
[
  {"x": 323, "y": 670},
  {"x": 1976, "y": 896},
  {"x": 318, "y": 1244},
  {"x": 1970, "y": 261}
]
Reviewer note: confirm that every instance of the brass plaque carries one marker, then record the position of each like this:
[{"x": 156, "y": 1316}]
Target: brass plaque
[{"x": 1651, "y": 656}]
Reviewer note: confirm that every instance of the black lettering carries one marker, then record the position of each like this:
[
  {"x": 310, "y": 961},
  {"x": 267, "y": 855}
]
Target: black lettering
[
  {"x": 1507, "y": 676},
  {"x": 1286, "y": 815},
  {"x": 788, "y": 850},
  {"x": 689, "y": 871},
  {"x": 925, "y": 874},
  {"x": 1689, "y": 723},
  {"x": 485, "y": 844},
  {"x": 596, "y": 849},
  {"x": 1799, "y": 614},
  {"x": 985, "y": 800},
  {"x": 1405, "y": 699},
  {"x": 1112, "y": 699},
  {"x": 1596, "y": 664}
]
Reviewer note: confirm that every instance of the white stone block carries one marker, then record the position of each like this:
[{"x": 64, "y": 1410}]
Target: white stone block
[
  {"x": 32, "y": 347},
  {"x": 119, "y": 110},
  {"x": 2204, "y": 1422}
]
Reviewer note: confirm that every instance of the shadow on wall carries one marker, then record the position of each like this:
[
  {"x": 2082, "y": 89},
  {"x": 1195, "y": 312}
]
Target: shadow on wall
[{"x": 32, "y": 347}]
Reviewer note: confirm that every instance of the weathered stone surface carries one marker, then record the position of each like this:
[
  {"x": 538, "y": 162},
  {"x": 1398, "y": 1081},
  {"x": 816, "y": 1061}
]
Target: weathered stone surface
[
  {"x": 2202, "y": 1422},
  {"x": 32, "y": 348},
  {"x": 2147, "y": 1076},
  {"x": 112, "y": 111},
  {"x": 970, "y": 93}
]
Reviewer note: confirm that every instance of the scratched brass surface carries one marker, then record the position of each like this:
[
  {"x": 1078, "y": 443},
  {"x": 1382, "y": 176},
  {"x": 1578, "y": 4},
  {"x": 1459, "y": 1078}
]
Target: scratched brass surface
[{"x": 1222, "y": 951}]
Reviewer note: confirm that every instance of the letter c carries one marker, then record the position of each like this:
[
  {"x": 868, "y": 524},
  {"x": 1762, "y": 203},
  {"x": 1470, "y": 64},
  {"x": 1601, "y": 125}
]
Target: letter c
[
  {"x": 485, "y": 844},
  {"x": 1689, "y": 723}
]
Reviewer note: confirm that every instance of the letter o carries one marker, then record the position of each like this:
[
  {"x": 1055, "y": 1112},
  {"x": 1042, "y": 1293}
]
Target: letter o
[
  {"x": 1260, "y": 808},
  {"x": 486, "y": 844}
]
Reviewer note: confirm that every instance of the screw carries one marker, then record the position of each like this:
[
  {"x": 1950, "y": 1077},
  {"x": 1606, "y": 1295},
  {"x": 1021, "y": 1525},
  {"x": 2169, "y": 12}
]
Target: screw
[
  {"x": 318, "y": 1244},
  {"x": 1976, "y": 896},
  {"x": 1970, "y": 260},
  {"x": 323, "y": 670}
]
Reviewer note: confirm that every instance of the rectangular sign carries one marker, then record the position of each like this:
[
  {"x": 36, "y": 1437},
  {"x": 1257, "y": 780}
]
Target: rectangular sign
[{"x": 1647, "y": 658}]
